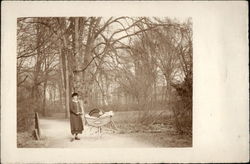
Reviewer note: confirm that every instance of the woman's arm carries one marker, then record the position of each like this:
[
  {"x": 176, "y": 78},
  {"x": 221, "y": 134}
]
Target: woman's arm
[{"x": 73, "y": 108}]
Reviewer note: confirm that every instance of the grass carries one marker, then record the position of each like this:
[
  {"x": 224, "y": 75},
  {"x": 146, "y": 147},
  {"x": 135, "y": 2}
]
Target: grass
[
  {"x": 27, "y": 140},
  {"x": 158, "y": 134},
  {"x": 164, "y": 139}
]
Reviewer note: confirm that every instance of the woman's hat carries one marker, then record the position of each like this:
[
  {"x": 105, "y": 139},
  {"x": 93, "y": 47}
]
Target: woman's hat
[{"x": 74, "y": 94}]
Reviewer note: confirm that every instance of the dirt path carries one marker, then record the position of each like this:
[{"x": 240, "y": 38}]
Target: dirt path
[{"x": 57, "y": 134}]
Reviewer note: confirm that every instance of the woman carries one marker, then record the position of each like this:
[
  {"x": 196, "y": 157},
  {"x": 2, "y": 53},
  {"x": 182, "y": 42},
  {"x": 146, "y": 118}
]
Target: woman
[{"x": 76, "y": 111}]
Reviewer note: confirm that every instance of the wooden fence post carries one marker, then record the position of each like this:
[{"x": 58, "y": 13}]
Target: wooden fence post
[{"x": 37, "y": 130}]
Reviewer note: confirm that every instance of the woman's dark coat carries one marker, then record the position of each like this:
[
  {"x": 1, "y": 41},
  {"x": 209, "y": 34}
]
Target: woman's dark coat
[{"x": 76, "y": 123}]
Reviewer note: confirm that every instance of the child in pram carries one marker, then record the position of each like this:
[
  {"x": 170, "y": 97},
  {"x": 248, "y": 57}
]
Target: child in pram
[{"x": 99, "y": 113}]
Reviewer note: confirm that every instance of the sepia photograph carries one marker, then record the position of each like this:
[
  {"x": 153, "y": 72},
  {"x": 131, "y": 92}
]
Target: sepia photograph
[
  {"x": 124, "y": 82},
  {"x": 104, "y": 82}
]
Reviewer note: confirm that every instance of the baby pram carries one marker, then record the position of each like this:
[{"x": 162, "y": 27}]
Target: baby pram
[{"x": 96, "y": 118}]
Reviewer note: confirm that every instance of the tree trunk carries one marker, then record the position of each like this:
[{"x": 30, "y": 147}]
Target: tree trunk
[
  {"x": 65, "y": 68},
  {"x": 34, "y": 92},
  {"x": 155, "y": 92},
  {"x": 78, "y": 61},
  {"x": 60, "y": 96},
  {"x": 67, "y": 86},
  {"x": 44, "y": 98},
  {"x": 62, "y": 83}
]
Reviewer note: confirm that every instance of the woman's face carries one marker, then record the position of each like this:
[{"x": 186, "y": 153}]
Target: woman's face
[{"x": 75, "y": 98}]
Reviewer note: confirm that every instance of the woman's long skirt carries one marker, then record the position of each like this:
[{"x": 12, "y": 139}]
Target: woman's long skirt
[{"x": 76, "y": 124}]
